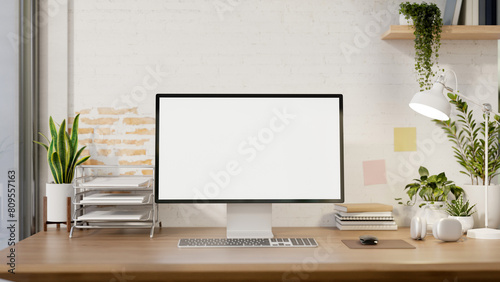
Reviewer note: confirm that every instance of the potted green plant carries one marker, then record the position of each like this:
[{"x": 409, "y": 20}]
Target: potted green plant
[
  {"x": 467, "y": 138},
  {"x": 62, "y": 156},
  {"x": 468, "y": 142},
  {"x": 427, "y": 24},
  {"x": 433, "y": 190},
  {"x": 461, "y": 211}
]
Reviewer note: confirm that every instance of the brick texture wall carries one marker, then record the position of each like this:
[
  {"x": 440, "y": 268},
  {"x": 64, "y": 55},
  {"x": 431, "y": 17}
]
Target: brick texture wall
[
  {"x": 117, "y": 136},
  {"x": 124, "y": 52}
]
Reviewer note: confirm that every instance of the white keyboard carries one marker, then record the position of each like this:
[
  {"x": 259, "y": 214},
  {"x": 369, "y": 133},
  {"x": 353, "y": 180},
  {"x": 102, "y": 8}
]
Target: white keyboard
[{"x": 247, "y": 242}]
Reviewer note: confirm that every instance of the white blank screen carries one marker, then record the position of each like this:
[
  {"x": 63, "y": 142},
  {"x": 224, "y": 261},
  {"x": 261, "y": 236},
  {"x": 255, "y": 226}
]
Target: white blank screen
[{"x": 249, "y": 148}]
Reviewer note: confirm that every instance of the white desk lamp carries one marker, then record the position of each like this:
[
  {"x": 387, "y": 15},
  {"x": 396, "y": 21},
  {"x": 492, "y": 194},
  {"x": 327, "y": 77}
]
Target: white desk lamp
[{"x": 433, "y": 104}]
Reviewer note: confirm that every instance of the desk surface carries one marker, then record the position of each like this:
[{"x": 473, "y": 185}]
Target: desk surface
[{"x": 125, "y": 255}]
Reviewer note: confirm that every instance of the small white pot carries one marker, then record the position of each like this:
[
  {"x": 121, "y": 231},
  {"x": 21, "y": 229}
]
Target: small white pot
[
  {"x": 403, "y": 21},
  {"x": 57, "y": 195},
  {"x": 466, "y": 221},
  {"x": 475, "y": 195}
]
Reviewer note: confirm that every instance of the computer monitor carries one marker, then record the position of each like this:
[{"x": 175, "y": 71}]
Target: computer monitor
[{"x": 249, "y": 151}]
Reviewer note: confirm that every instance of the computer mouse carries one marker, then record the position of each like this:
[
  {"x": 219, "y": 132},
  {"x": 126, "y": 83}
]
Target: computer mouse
[{"x": 368, "y": 240}]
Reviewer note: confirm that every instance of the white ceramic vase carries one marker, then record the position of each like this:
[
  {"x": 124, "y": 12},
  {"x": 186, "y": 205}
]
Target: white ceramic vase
[
  {"x": 432, "y": 213},
  {"x": 57, "y": 195},
  {"x": 475, "y": 195},
  {"x": 466, "y": 221},
  {"x": 403, "y": 21}
]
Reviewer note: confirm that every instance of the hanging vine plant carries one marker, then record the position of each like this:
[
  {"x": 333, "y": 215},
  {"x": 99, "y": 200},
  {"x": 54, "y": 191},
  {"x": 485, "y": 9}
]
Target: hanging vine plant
[{"x": 428, "y": 24}]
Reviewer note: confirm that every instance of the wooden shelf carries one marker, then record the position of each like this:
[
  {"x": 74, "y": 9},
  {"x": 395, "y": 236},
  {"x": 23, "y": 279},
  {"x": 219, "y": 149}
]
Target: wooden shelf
[{"x": 450, "y": 32}]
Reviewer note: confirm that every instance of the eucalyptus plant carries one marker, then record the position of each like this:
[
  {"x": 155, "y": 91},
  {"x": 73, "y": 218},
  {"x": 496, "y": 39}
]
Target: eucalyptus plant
[
  {"x": 62, "y": 153},
  {"x": 431, "y": 188},
  {"x": 460, "y": 208},
  {"x": 428, "y": 26},
  {"x": 467, "y": 137}
]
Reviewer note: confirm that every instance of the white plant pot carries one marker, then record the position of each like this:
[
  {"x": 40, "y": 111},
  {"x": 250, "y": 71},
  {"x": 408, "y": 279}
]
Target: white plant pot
[
  {"x": 432, "y": 213},
  {"x": 57, "y": 195},
  {"x": 466, "y": 221},
  {"x": 475, "y": 195},
  {"x": 403, "y": 21}
]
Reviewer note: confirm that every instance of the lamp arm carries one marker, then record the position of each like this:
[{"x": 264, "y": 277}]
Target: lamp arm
[
  {"x": 456, "y": 79},
  {"x": 486, "y": 172},
  {"x": 465, "y": 98},
  {"x": 486, "y": 107},
  {"x": 441, "y": 78}
]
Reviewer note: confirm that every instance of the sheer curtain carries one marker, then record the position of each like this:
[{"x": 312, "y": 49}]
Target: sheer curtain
[{"x": 18, "y": 87}]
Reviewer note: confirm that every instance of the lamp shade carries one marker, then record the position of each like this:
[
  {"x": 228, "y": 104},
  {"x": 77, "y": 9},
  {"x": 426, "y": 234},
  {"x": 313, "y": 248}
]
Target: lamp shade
[{"x": 432, "y": 103}]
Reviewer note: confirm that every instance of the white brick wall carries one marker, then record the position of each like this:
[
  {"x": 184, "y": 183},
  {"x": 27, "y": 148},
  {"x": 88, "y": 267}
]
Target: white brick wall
[{"x": 274, "y": 46}]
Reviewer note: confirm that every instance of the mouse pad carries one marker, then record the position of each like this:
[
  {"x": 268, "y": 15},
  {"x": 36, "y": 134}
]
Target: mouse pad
[{"x": 382, "y": 244}]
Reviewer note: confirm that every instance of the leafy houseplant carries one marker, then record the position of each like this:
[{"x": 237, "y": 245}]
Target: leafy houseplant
[
  {"x": 433, "y": 188},
  {"x": 62, "y": 153},
  {"x": 468, "y": 142},
  {"x": 459, "y": 208},
  {"x": 428, "y": 24}
]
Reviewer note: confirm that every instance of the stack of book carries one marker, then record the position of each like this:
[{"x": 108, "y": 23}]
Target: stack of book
[{"x": 370, "y": 216}]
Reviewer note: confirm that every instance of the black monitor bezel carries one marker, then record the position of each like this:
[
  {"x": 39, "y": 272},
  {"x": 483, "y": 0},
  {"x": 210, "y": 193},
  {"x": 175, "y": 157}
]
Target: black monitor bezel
[{"x": 225, "y": 201}]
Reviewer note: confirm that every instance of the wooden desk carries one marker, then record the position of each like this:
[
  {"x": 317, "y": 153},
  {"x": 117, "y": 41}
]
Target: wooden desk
[{"x": 126, "y": 255}]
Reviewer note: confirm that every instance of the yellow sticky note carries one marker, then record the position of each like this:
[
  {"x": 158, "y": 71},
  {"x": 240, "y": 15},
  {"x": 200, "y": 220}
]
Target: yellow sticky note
[{"x": 405, "y": 139}]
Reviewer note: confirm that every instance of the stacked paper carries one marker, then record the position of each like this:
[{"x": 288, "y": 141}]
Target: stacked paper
[{"x": 369, "y": 216}]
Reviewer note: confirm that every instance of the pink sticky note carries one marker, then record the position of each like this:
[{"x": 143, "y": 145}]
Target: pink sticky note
[{"x": 374, "y": 172}]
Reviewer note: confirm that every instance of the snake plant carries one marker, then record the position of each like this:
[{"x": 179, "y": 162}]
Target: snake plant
[{"x": 62, "y": 153}]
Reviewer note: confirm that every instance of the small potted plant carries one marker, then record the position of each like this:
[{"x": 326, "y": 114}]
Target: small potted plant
[
  {"x": 433, "y": 190},
  {"x": 461, "y": 211},
  {"x": 63, "y": 157},
  {"x": 427, "y": 22}
]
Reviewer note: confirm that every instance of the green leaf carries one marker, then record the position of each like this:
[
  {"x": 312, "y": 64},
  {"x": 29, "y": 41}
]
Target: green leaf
[
  {"x": 49, "y": 160},
  {"x": 73, "y": 146},
  {"x": 62, "y": 149},
  {"x": 422, "y": 171},
  {"x": 82, "y": 160},
  {"x": 432, "y": 179},
  {"x": 441, "y": 177},
  {"x": 73, "y": 140},
  {"x": 43, "y": 145},
  {"x": 74, "y": 130},
  {"x": 75, "y": 163},
  {"x": 44, "y": 137},
  {"x": 53, "y": 130},
  {"x": 56, "y": 161}
]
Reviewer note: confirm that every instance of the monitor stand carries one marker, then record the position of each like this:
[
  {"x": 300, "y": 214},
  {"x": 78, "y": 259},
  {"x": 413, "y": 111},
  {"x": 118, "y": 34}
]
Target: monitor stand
[{"x": 249, "y": 220}]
